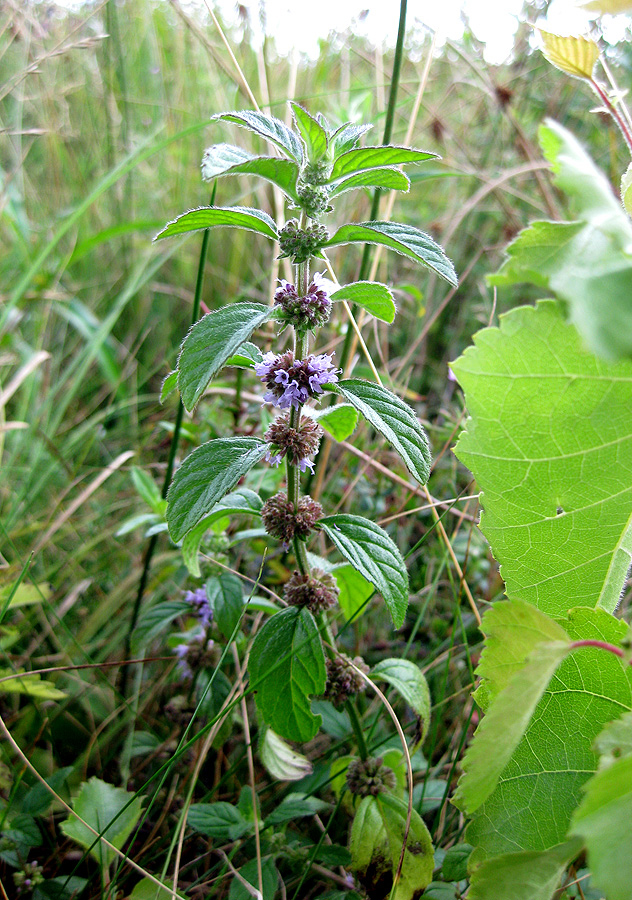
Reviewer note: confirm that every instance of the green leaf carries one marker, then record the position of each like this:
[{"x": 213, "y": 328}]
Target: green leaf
[
  {"x": 374, "y": 555},
  {"x": 410, "y": 682},
  {"x": 246, "y": 357},
  {"x": 205, "y": 476},
  {"x": 404, "y": 239},
  {"x": 602, "y": 821},
  {"x": 147, "y": 489},
  {"x": 24, "y": 595},
  {"x": 168, "y": 386},
  {"x": 146, "y": 889},
  {"x": 354, "y": 589},
  {"x": 105, "y": 808},
  {"x": 295, "y": 806},
  {"x": 512, "y": 631},
  {"x": 226, "y": 597},
  {"x": 270, "y": 878},
  {"x": 504, "y": 725},
  {"x": 531, "y": 875},
  {"x": 557, "y": 495},
  {"x": 28, "y": 684},
  {"x": 539, "y": 789},
  {"x": 339, "y": 420},
  {"x": 39, "y": 799},
  {"x": 374, "y": 158},
  {"x": 268, "y": 127},
  {"x": 225, "y": 159},
  {"x": 211, "y": 342},
  {"x": 367, "y": 835},
  {"x": 280, "y": 760},
  {"x": 312, "y": 132},
  {"x": 375, "y": 298},
  {"x": 239, "y": 502},
  {"x": 418, "y": 863},
  {"x": 393, "y": 419},
  {"x": 157, "y": 619},
  {"x": 219, "y": 820},
  {"x": 587, "y": 263},
  {"x": 287, "y": 666},
  {"x": 573, "y": 54},
  {"x": 71, "y": 887},
  {"x": 347, "y": 136},
  {"x": 387, "y": 179},
  {"x": 214, "y": 216},
  {"x": 454, "y": 865}
]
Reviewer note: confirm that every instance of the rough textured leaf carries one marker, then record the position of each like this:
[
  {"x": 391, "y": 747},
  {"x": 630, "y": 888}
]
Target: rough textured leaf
[
  {"x": 205, "y": 476},
  {"x": 370, "y": 295},
  {"x": 374, "y": 158},
  {"x": 239, "y": 502},
  {"x": 587, "y": 263},
  {"x": 312, "y": 132},
  {"x": 523, "y": 876},
  {"x": 105, "y": 808},
  {"x": 339, "y": 420},
  {"x": 454, "y": 865},
  {"x": 367, "y": 834},
  {"x": 270, "y": 878},
  {"x": 387, "y": 179},
  {"x": 268, "y": 127},
  {"x": 226, "y": 597},
  {"x": 157, "y": 619},
  {"x": 404, "y": 239},
  {"x": 393, "y": 419},
  {"x": 295, "y": 806},
  {"x": 615, "y": 740},
  {"x": 287, "y": 667},
  {"x": 30, "y": 685},
  {"x": 374, "y": 555},
  {"x": 169, "y": 385},
  {"x": 211, "y": 342},
  {"x": 410, "y": 683},
  {"x": 215, "y": 216},
  {"x": 540, "y": 787},
  {"x": 219, "y": 820},
  {"x": 418, "y": 863},
  {"x": 225, "y": 159},
  {"x": 603, "y": 823},
  {"x": 557, "y": 486},
  {"x": 347, "y": 136},
  {"x": 574, "y": 55},
  {"x": 355, "y": 590},
  {"x": 280, "y": 760}
]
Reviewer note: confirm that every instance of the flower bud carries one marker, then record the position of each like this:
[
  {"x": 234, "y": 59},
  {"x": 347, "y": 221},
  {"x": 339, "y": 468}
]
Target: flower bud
[{"x": 370, "y": 777}]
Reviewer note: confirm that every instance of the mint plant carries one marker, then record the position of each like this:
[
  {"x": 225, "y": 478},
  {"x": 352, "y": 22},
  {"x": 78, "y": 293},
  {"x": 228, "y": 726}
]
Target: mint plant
[{"x": 294, "y": 657}]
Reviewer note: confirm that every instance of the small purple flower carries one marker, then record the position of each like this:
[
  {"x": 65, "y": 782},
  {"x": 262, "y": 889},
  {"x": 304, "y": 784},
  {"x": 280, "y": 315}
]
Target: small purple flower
[
  {"x": 292, "y": 382},
  {"x": 201, "y": 606},
  {"x": 181, "y": 651}
]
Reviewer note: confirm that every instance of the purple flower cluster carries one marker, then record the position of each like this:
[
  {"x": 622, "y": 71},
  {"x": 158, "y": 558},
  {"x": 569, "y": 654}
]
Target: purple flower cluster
[
  {"x": 201, "y": 607},
  {"x": 291, "y": 382},
  {"x": 306, "y": 312}
]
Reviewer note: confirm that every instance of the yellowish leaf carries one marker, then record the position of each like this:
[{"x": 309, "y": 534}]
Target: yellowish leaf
[
  {"x": 626, "y": 190},
  {"x": 607, "y": 7},
  {"x": 574, "y": 55}
]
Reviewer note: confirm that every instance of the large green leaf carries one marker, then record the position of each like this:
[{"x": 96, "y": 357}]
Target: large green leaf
[
  {"x": 111, "y": 811},
  {"x": 268, "y": 127},
  {"x": 239, "y": 502},
  {"x": 404, "y": 239},
  {"x": 374, "y": 158},
  {"x": 370, "y": 295},
  {"x": 374, "y": 555},
  {"x": 539, "y": 788},
  {"x": 211, "y": 342},
  {"x": 205, "y": 476},
  {"x": 312, "y": 132},
  {"x": 587, "y": 263},
  {"x": 339, "y": 420},
  {"x": 549, "y": 440},
  {"x": 227, "y": 601},
  {"x": 354, "y": 589},
  {"x": 603, "y": 818},
  {"x": 214, "y": 216},
  {"x": 287, "y": 667},
  {"x": 393, "y": 419},
  {"x": 523, "y": 876},
  {"x": 225, "y": 159},
  {"x": 418, "y": 862}
]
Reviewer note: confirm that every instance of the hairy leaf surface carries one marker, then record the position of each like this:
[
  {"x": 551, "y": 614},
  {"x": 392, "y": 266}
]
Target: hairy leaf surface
[
  {"x": 370, "y": 295},
  {"x": 287, "y": 667},
  {"x": 410, "y": 683},
  {"x": 311, "y": 131},
  {"x": 225, "y": 159},
  {"x": 404, "y": 239},
  {"x": 239, "y": 502},
  {"x": 385, "y": 178},
  {"x": 374, "y": 158},
  {"x": 268, "y": 127},
  {"x": 549, "y": 440},
  {"x": 371, "y": 551},
  {"x": 215, "y": 216},
  {"x": 205, "y": 476}
]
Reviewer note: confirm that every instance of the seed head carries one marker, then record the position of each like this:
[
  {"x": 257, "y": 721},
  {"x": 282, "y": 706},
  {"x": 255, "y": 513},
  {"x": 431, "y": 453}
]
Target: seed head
[
  {"x": 297, "y": 444},
  {"x": 370, "y": 777},
  {"x": 317, "y": 592},
  {"x": 300, "y": 244},
  {"x": 342, "y": 679},
  {"x": 282, "y": 522}
]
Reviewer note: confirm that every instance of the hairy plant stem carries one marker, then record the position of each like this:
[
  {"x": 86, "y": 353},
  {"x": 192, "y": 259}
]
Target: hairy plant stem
[
  {"x": 614, "y": 112},
  {"x": 173, "y": 449}
]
